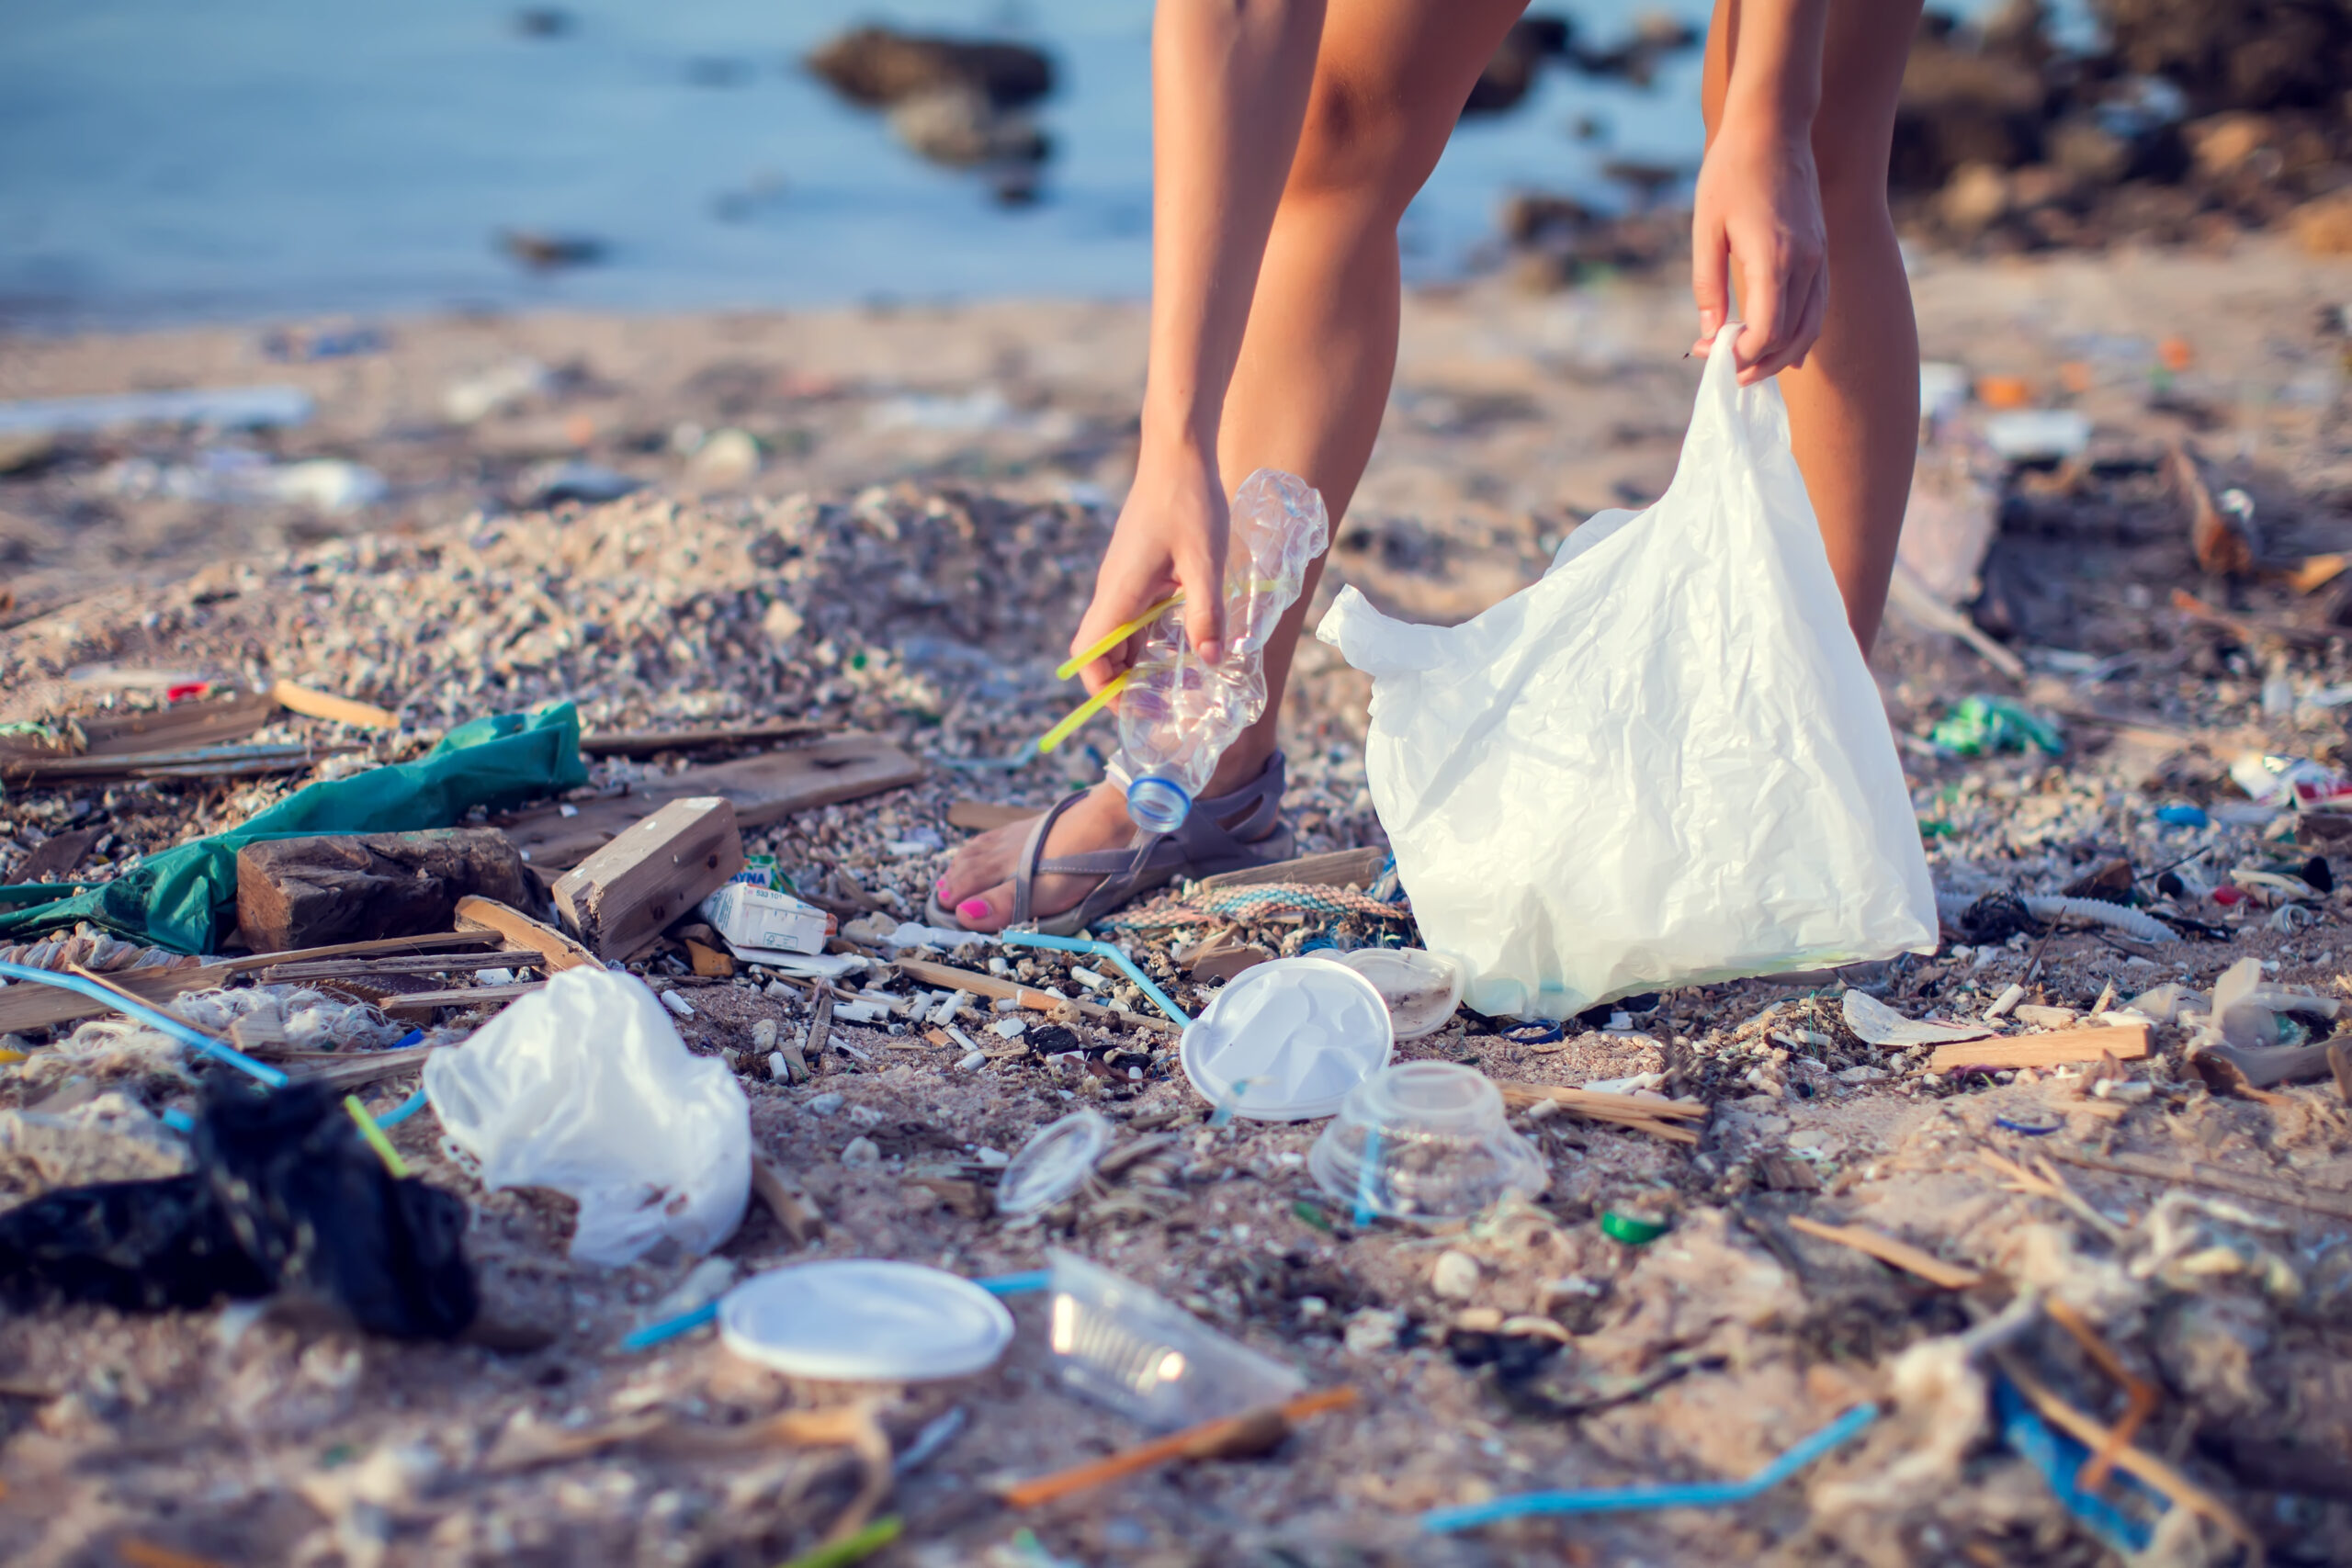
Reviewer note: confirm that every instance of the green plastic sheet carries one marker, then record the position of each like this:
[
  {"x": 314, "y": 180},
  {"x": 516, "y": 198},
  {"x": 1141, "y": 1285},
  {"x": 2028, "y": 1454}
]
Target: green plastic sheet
[
  {"x": 179, "y": 899},
  {"x": 1981, "y": 725}
]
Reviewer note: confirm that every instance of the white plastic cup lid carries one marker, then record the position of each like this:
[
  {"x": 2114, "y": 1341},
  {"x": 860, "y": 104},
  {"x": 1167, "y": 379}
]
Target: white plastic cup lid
[
  {"x": 1286, "y": 1041},
  {"x": 864, "y": 1320},
  {"x": 1421, "y": 988},
  {"x": 1052, "y": 1163}
]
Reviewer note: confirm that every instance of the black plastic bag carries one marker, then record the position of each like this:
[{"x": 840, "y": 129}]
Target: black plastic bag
[{"x": 287, "y": 1198}]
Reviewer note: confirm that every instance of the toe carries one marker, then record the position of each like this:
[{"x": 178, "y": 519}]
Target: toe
[{"x": 987, "y": 911}]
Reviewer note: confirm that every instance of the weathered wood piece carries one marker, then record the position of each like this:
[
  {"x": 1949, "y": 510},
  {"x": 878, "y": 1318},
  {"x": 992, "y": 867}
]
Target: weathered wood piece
[
  {"x": 652, "y": 742},
  {"x": 533, "y": 936},
  {"x": 419, "y": 1007},
  {"x": 326, "y": 704},
  {"x": 2123, "y": 1041},
  {"x": 353, "y": 886},
  {"x": 1340, "y": 868},
  {"x": 762, "y": 789},
  {"x": 618, "y": 899},
  {"x": 58, "y": 855},
  {"x": 980, "y": 815}
]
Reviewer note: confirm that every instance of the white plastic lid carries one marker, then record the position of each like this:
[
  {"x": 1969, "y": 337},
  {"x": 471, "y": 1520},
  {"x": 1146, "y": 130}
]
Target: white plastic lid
[
  {"x": 864, "y": 1320},
  {"x": 1421, "y": 987},
  {"x": 1285, "y": 1040},
  {"x": 1052, "y": 1163}
]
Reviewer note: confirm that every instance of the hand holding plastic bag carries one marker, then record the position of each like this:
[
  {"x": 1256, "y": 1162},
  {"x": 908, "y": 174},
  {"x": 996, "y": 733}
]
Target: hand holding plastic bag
[
  {"x": 585, "y": 1088},
  {"x": 1664, "y": 763}
]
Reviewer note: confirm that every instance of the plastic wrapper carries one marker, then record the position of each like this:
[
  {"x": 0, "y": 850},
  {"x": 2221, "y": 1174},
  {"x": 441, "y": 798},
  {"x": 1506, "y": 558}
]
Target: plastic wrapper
[
  {"x": 585, "y": 1088},
  {"x": 1664, "y": 763}
]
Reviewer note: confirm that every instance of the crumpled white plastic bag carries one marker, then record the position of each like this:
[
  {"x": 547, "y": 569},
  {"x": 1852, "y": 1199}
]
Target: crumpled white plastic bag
[
  {"x": 585, "y": 1088},
  {"x": 1664, "y": 763}
]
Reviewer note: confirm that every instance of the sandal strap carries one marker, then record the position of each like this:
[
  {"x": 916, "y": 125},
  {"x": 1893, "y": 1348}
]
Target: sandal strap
[{"x": 1026, "y": 870}]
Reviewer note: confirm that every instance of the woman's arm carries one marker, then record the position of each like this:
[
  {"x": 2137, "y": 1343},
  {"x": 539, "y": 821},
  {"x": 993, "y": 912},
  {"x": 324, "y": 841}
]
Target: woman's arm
[
  {"x": 1229, "y": 86},
  {"x": 1759, "y": 205}
]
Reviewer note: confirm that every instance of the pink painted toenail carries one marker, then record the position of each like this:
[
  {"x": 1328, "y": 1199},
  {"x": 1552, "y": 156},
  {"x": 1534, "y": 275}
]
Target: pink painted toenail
[
  {"x": 973, "y": 908},
  {"x": 940, "y": 887}
]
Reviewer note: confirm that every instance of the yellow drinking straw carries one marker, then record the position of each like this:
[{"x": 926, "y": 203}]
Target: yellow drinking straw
[
  {"x": 376, "y": 1139},
  {"x": 1078, "y": 662},
  {"x": 1082, "y": 712}
]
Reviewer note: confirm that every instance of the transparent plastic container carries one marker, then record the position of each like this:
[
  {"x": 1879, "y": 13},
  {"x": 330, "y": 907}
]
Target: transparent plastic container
[
  {"x": 1425, "y": 1140},
  {"x": 1421, "y": 988},
  {"x": 1121, "y": 1345},
  {"x": 1053, "y": 1164},
  {"x": 1287, "y": 1040},
  {"x": 1177, "y": 715}
]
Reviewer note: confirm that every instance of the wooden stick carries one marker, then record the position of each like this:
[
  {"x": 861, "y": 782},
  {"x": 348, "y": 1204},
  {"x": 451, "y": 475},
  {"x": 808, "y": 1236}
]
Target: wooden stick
[
  {"x": 1887, "y": 1250},
  {"x": 1206, "y": 1440},
  {"x": 2272, "y": 1189},
  {"x": 796, "y": 1215},
  {"x": 648, "y": 742},
  {"x": 1627, "y": 1111},
  {"x": 2060, "y": 1048},
  {"x": 981, "y": 985},
  {"x": 418, "y": 1007},
  {"x": 325, "y": 704},
  {"x": 558, "y": 950}
]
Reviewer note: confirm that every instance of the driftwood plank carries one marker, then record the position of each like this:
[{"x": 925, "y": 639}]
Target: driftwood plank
[
  {"x": 762, "y": 789},
  {"x": 619, "y": 899}
]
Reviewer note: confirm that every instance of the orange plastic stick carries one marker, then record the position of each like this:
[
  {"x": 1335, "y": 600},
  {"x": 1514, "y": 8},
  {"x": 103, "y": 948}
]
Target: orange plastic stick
[{"x": 1176, "y": 1445}]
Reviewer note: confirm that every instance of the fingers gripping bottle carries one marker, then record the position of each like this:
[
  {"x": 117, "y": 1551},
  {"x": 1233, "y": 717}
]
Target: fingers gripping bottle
[{"x": 1178, "y": 714}]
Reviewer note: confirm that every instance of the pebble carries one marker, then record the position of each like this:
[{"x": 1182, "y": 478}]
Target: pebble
[
  {"x": 823, "y": 1104},
  {"x": 860, "y": 1153},
  {"x": 1455, "y": 1276}
]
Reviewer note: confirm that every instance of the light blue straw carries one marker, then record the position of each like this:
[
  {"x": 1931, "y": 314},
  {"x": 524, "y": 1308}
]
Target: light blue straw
[
  {"x": 219, "y": 1051},
  {"x": 1102, "y": 949},
  {"x": 1368, "y": 1180},
  {"x": 1700, "y": 1495},
  {"x": 402, "y": 1112}
]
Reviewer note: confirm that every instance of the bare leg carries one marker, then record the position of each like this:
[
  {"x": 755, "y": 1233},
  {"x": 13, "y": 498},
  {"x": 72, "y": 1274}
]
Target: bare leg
[
  {"x": 1317, "y": 361},
  {"x": 1854, "y": 405}
]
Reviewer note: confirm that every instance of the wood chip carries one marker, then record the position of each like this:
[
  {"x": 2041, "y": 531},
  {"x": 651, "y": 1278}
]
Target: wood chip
[
  {"x": 558, "y": 950},
  {"x": 2123, "y": 1041},
  {"x": 1887, "y": 1250}
]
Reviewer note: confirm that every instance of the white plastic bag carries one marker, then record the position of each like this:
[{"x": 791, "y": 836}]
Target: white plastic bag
[
  {"x": 1664, "y": 763},
  {"x": 585, "y": 1088}
]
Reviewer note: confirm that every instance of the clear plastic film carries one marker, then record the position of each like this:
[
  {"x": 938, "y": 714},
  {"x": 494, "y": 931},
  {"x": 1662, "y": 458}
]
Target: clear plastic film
[{"x": 1177, "y": 715}]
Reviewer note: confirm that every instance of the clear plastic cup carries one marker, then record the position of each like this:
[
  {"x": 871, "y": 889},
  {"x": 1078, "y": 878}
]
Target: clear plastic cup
[
  {"x": 1421, "y": 988},
  {"x": 1120, "y": 1344},
  {"x": 1053, "y": 1163},
  {"x": 1425, "y": 1140},
  {"x": 1286, "y": 1040}
]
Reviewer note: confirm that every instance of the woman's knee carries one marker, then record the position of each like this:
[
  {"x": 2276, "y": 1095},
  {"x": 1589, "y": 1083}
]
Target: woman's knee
[{"x": 1359, "y": 146}]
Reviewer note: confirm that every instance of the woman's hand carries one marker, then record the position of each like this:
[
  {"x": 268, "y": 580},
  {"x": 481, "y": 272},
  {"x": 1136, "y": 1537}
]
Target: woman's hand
[
  {"x": 1170, "y": 535},
  {"x": 1758, "y": 209}
]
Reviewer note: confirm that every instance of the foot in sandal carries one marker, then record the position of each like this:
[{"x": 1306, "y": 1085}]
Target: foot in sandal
[{"x": 1084, "y": 858}]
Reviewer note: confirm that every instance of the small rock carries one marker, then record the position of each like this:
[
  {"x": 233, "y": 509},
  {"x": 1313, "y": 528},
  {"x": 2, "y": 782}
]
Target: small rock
[
  {"x": 990, "y": 1158},
  {"x": 860, "y": 1153},
  {"x": 2045, "y": 1017},
  {"x": 1372, "y": 1330},
  {"x": 763, "y": 1035},
  {"x": 1455, "y": 1276},
  {"x": 823, "y": 1104}
]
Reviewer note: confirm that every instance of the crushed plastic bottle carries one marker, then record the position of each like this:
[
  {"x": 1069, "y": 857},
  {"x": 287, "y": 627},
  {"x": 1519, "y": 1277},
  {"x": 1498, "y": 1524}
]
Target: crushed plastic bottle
[{"x": 1178, "y": 714}]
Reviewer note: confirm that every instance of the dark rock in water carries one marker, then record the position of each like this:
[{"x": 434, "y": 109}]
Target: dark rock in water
[
  {"x": 541, "y": 21},
  {"x": 960, "y": 128},
  {"x": 548, "y": 253},
  {"x": 879, "y": 67},
  {"x": 718, "y": 71},
  {"x": 2236, "y": 54}
]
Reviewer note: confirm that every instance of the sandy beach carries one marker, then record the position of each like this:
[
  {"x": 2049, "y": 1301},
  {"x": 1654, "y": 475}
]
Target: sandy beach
[{"x": 905, "y": 558}]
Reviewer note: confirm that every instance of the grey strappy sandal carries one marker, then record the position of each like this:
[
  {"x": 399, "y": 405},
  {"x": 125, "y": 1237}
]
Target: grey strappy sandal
[{"x": 1203, "y": 846}]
